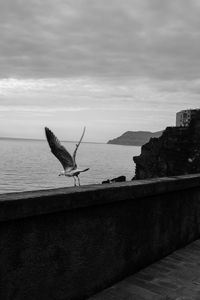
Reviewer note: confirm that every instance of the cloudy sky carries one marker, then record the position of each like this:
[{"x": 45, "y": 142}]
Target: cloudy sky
[{"x": 111, "y": 65}]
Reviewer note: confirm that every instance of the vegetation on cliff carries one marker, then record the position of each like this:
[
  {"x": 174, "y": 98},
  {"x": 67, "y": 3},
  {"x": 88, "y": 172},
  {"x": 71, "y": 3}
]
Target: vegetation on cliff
[
  {"x": 134, "y": 138},
  {"x": 176, "y": 152}
]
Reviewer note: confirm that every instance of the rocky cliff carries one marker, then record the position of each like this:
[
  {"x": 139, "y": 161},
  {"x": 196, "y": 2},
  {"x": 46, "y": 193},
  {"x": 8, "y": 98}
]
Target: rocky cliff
[
  {"x": 135, "y": 138},
  {"x": 176, "y": 152}
]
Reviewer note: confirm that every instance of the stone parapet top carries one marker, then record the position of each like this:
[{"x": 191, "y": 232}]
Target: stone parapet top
[{"x": 24, "y": 204}]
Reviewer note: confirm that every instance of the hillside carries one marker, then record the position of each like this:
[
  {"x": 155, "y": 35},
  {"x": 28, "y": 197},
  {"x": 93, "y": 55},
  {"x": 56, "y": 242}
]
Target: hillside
[
  {"x": 135, "y": 138},
  {"x": 174, "y": 153}
]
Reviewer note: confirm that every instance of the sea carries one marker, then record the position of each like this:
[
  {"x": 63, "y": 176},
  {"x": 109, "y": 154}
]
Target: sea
[{"x": 27, "y": 165}]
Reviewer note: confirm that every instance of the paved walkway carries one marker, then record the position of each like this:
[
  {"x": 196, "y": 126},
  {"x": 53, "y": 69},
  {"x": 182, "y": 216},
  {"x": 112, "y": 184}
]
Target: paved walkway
[{"x": 177, "y": 276}]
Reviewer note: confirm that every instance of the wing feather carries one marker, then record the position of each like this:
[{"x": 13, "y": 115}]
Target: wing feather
[
  {"x": 58, "y": 150},
  {"x": 77, "y": 145}
]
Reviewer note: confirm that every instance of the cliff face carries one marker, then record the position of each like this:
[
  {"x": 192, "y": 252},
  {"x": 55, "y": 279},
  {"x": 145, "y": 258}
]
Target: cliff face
[
  {"x": 176, "y": 152},
  {"x": 134, "y": 138}
]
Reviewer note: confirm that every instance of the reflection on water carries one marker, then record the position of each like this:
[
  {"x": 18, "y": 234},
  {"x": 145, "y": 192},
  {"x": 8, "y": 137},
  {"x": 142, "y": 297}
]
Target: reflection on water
[{"x": 29, "y": 165}]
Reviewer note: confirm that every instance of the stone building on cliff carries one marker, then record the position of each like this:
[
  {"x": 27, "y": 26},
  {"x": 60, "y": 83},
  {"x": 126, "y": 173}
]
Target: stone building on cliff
[
  {"x": 176, "y": 152},
  {"x": 184, "y": 117}
]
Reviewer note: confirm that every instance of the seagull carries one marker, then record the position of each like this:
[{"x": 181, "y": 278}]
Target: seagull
[{"x": 68, "y": 162}]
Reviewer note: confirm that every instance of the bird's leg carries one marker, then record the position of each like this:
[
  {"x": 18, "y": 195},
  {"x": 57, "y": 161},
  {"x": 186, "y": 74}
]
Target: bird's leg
[
  {"x": 78, "y": 181},
  {"x": 74, "y": 180}
]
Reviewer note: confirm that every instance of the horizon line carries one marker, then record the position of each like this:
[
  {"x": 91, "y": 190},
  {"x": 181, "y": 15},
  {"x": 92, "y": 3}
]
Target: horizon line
[{"x": 37, "y": 139}]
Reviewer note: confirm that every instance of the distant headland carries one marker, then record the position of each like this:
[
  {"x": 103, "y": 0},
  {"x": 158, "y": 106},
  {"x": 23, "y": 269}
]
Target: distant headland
[{"x": 135, "y": 138}]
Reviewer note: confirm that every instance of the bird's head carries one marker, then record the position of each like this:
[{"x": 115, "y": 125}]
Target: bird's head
[{"x": 62, "y": 173}]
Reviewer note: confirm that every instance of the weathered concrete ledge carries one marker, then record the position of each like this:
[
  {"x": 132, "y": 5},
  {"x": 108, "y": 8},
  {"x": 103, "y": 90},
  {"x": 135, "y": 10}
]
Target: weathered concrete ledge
[
  {"x": 24, "y": 204},
  {"x": 71, "y": 243}
]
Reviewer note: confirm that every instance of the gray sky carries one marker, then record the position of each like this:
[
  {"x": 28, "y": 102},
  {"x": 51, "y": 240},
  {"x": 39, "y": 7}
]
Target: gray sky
[{"x": 111, "y": 65}]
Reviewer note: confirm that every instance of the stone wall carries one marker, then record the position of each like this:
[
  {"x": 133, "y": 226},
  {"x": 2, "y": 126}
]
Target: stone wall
[{"x": 71, "y": 243}]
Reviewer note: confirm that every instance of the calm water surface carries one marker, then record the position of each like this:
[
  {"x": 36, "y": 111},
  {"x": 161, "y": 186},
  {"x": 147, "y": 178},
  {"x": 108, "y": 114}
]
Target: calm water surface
[{"x": 29, "y": 165}]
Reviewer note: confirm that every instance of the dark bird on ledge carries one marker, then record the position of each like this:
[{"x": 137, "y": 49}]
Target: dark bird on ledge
[{"x": 68, "y": 162}]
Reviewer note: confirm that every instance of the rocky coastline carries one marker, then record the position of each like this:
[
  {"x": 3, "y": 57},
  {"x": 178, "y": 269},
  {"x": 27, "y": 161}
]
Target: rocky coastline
[{"x": 175, "y": 152}]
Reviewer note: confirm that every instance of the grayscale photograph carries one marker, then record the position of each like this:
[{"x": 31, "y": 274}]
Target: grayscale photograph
[{"x": 100, "y": 150}]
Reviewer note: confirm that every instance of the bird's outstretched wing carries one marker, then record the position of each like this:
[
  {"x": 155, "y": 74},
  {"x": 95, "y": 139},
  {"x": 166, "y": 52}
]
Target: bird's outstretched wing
[
  {"x": 59, "y": 151},
  {"x": 77, "y": 145}
]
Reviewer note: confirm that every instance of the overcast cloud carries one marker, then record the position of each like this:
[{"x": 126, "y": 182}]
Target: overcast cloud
[{"x": 113, "y": 65}]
